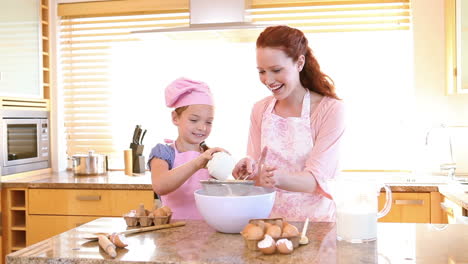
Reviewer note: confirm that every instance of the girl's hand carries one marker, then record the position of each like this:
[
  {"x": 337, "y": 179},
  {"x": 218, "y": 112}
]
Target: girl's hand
[{"x": 203, "y": 159}]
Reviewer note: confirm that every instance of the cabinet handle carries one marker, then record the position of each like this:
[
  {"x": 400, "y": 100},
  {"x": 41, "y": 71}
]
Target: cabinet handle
[
  {"x": 446, "y": 208},
  {"x": 409, "y": 202},
  {"x": 88, "y": 197}
]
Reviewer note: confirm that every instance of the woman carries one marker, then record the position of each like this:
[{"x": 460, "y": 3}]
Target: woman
[{"x": 299, "y": 128}]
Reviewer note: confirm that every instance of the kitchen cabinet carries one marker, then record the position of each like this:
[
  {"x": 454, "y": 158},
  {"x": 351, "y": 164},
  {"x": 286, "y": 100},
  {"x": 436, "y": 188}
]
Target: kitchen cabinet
[
  {"x": 14, "y": 211},
  {"x": 21, "y": 51},
  {"x": 451, "y": 211},
  {"x": 407, "y": 208},
  {"x": 41, "y": 227},
  {"x": 456, "y": 16},
  {"x": 74, "y": 207}
]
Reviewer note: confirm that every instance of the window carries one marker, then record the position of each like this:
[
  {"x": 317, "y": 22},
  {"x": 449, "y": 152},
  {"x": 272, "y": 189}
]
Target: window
[{"x": 113, "y": 80}]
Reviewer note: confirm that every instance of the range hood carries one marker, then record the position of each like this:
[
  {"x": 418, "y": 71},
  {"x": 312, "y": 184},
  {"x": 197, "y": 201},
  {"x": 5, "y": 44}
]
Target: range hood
[{"x": 206, "y": 15}]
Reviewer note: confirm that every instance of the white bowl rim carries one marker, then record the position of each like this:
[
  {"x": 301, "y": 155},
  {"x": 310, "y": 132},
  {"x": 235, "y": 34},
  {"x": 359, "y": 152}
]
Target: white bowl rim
[{"x": 272, "y": 192}]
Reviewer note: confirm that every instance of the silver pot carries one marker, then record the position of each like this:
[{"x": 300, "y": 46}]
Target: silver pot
[{"x": 89, "y": 164}]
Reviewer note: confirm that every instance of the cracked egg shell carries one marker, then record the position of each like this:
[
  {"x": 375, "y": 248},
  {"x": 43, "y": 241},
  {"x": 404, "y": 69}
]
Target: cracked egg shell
[
  {"x": 118, "y": 240},
  {"x": 284, "y": 246},
  {"x": 267, "y": 246}
]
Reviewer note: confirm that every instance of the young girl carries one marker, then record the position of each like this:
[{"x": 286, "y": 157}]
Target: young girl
[{"x": 177, "y": 168}]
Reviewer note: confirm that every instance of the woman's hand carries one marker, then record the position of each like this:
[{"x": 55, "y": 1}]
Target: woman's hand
[
  {"x": 266, "y": 177},
  {"x": 206, "y": 156},
  {"x": 244, "y": 168}
]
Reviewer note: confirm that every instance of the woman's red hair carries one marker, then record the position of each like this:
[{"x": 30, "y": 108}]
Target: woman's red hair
[{"x": 294, "y": 43}]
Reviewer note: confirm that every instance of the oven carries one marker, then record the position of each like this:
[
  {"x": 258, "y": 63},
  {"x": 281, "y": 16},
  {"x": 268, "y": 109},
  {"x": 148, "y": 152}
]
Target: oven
[{"x": 24, "y": 141}]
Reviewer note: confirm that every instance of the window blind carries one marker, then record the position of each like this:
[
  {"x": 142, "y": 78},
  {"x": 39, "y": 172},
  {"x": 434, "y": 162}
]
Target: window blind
[
  {"x": 87, "y": 40},
  {"x": 86, "y": 60}
]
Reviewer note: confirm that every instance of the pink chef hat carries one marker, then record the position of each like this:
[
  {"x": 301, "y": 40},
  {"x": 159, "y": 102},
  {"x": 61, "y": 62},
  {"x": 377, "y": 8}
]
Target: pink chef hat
[{"x": 183, "y": 91}]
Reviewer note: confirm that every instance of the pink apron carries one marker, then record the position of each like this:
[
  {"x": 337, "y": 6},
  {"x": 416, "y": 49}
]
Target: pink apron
[
  {"x": 289, "y": 142},
  {"x": 182, "y": 200}
]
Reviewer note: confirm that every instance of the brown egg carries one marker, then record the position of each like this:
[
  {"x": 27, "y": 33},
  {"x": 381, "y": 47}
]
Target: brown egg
[
  {"x": 118, "y": 240},
  {"x": 141, "y": 210},
  {"x": 167, "y": 210},
  {"x": 267, "y": 246},
  {"x": 252, "y": 232},
  {"x": 274, "y": 231},
  {"x": 289, "y": 230},
  {"x": 246, "y": 228},
  {"x": 267, "y": 225},
  {"x": 159, "y": 212},
  {"x": 279, "y": 223},
  {"x": 261, "y": 224},
  {"x": 284, "y": 246}
]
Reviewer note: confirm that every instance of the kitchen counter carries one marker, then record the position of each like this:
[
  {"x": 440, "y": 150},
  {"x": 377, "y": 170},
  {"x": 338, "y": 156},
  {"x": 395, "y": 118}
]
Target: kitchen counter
[
  {"x": 114, "y": 180},
  {"x": 455, "y": 194},
  {"x": 196, "y": 242},
  {"x": 117, "y": 180}
]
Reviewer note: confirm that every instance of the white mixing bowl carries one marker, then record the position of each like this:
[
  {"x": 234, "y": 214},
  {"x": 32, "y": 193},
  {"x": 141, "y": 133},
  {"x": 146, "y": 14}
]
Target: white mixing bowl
[{"x": 230, "y": 214}]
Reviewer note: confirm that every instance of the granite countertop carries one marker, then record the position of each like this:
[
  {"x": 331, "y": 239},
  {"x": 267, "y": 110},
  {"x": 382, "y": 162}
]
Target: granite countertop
[
  {"x": 196, "y": 242},
  {"x": 117, "y": 180},
  {"x": 114, "y": 180}
]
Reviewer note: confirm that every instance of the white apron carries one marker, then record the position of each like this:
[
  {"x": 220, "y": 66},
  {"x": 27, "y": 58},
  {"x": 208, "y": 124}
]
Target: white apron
[{"x": 289, "y": 141}]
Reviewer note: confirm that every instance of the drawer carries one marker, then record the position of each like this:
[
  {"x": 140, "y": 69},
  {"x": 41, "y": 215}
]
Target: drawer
[
  {"x": 41, "y": 227},
  {"x": 407, "y": 208},
  {"x": 86, "y": 202}
]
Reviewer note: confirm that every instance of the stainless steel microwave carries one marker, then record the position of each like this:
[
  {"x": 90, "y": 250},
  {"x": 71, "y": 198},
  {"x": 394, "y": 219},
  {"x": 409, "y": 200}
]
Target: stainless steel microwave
[{"x": 24, "y": 143}]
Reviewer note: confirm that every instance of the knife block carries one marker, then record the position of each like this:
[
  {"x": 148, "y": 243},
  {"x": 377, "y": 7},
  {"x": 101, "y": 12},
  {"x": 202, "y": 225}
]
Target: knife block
[{"x": 138, "y": 158}]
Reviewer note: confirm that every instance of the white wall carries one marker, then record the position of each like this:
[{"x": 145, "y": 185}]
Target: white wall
[
  {"x": 429, "y": 66},
  {"x": 433, "y": 107}
]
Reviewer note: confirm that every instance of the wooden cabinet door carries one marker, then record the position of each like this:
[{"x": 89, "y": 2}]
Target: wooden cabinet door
[
  {"x": 41, "y": 227},
  {"x": 451, "y": 211},
  {"x": 73, "y": 207},
  {"x": 407, "y": 208}
]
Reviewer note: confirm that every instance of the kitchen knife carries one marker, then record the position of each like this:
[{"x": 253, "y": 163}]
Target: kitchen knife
[
  {"x": 135, "y": 132},
  {"x": 137, "y": 139},
  {"x": 142, "y": 137}
]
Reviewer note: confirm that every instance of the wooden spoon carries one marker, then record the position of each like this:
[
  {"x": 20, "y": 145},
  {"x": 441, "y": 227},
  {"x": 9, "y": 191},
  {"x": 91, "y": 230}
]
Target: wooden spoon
[
  {"x": 94, "y": 236},
  {"x": 304, "y": 239}
]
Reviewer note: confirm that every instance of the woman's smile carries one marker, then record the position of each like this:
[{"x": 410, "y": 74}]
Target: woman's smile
[{"x": 275, "y": 89}]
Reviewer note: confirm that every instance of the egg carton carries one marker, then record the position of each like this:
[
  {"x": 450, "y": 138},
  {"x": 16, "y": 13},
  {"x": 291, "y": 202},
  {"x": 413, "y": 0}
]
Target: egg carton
[
  {"x": 252, "y": 244},
  {"x": 147, "y": 220}
]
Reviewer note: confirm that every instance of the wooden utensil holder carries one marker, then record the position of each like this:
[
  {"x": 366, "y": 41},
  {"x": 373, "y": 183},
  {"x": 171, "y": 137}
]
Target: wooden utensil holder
[{"x": 138, "y": 158}]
